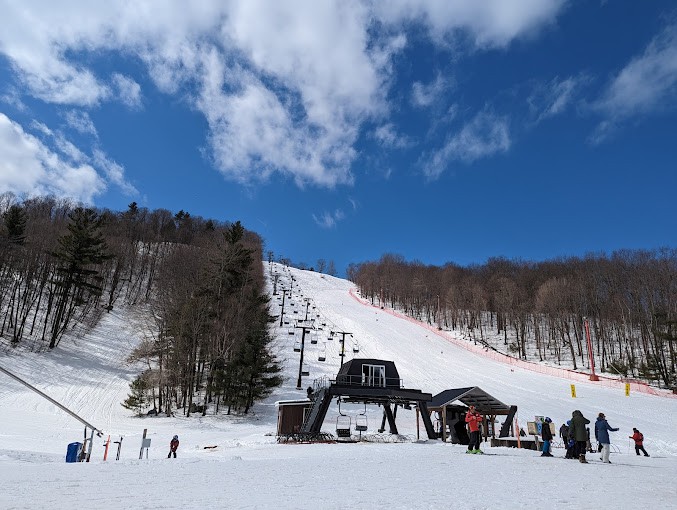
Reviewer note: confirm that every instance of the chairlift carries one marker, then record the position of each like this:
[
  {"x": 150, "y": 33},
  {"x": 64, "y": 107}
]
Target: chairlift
[
  {"x": 290, "y": 331},
  {"x": 322, "y": 356},
  {"x": 313, "y": 338},
  {"x": 356, "y": 347},
  {"x": 297, "y": 346},
  {"x": 343, "y": 423},
  {"x": 361, "y": 421}
]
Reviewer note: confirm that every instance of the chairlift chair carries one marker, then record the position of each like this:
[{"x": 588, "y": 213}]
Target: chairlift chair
[
  {"x": 356, "y": 347},
  {"x": 313, "y": 338},
  {"x": 297, "y": 346},
  {"x": 290, "y": 331},
  {"x": 361, "y": 421},
  {"x": 322, "y": 356},
  {"x": 343, "y": 423}
]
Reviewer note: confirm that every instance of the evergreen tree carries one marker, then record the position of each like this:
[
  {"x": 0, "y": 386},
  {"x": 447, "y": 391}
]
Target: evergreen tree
[
  {"x": 15, "y": 223},
  {"x": 78, "y": 281},
  {"x": 137, "y": 399}
]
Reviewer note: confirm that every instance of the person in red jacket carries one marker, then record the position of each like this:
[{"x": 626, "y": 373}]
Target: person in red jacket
[
  {"x": 173, "y": 446},
  {"x": 638, "y": 438},
  {"x": 474, "y": 419}
]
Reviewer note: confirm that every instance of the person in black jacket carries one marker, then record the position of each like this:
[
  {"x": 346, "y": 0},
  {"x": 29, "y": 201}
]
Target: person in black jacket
[
  {"x": 546, "y": 434},
  {"x": 564, "y": 434}
]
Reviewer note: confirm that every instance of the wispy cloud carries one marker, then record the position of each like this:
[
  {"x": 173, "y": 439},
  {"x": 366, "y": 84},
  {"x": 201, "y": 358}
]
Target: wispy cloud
[
  {"x": 114, "y": 172},
  {"x": 81, "y": 122},
  {"x": 127, "y": 90},
  {"x": 329, "y": 219},
  {"x": 387, "y": 136},
  {"x": 556, "y": 96},
  {"x": 54, "y": 165},
  {"x": 486, "y": 134},
  {"x": 424, "y": 95},
  {"x": 646, "y": 85},
  {"x": 28, "y": 166}
]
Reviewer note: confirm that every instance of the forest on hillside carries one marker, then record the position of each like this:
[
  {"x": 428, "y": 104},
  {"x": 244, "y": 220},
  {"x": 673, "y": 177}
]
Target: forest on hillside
[
  {"x": 199, "y": 282},
  {"x": 538, "y": 309}
]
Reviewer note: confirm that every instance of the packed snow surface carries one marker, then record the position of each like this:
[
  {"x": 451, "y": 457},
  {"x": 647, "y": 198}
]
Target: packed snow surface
[{"x": 247, "y": 468}]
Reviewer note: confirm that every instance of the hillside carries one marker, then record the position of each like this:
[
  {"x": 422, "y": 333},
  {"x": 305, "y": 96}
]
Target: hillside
[{"x": 248, "y": 469}]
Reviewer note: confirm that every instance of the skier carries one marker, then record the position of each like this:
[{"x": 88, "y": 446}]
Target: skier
[
  {"x": 546, "y": 434},
  {"x": 173, "y": 446},
  {"x": 578, "y": 432},
  {"x": 638, "y": 437},
  {"x": 602, "y": 429},
  {"x": 474, "y": 419},
  {"x": 564, "y": 434}
]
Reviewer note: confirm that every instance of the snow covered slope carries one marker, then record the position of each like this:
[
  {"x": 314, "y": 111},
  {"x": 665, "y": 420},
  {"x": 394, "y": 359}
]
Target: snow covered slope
[{"x": 248, "y": 469}]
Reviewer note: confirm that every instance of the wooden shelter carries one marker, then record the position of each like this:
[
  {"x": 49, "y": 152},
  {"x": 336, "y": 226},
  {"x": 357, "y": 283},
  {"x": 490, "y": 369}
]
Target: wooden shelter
[{"x": 452, "y": 405}]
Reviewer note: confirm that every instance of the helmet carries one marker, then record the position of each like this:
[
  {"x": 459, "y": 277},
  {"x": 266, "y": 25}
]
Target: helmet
[
  {"x": 548, "y": 420},
  {"x": 176, "y": 437}
]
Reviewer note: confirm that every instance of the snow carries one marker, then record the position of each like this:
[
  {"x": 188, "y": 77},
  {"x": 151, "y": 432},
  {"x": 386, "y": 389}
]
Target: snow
[{"x": 248, "y": 469}]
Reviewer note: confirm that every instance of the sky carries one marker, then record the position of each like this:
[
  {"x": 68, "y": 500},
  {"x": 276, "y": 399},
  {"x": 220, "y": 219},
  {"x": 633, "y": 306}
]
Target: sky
[
  {"x": 442, "y": 131},
  {"x": 246, "y": 468}
]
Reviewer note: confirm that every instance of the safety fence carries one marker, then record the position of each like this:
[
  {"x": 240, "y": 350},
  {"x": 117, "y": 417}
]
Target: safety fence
[{"x": 565, "y": 373}]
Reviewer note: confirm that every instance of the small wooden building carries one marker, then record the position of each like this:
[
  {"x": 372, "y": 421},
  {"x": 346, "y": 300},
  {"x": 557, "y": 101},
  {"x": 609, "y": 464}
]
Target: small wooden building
[
  {"x": 291, "y": 415},
  {"x": 452, "y": 405}
]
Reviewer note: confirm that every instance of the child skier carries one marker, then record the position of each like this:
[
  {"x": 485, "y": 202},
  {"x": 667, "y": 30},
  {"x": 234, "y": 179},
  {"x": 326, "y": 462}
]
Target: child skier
[
  {"x": 546, "y": 434},
  {"x": 638, "y": 438},
  {"x": 173, "y": 446},
  {"x": 474, "y": 420}
]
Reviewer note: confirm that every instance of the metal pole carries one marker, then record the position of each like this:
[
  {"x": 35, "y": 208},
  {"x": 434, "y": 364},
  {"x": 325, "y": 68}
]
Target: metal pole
[
  {"x": 43, "y": 395},
  {"x": 303, "y": 338},
  {"x": 284, "y": 293},
  {"x": 593, "y": 376}
]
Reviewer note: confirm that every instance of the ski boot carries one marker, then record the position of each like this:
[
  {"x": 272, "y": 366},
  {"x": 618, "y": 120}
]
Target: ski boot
[{"x": 581, "y": 458}]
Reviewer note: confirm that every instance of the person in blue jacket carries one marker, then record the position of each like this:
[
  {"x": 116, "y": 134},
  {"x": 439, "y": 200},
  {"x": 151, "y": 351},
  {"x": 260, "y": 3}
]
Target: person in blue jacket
[{"x": 602, "y": 429}]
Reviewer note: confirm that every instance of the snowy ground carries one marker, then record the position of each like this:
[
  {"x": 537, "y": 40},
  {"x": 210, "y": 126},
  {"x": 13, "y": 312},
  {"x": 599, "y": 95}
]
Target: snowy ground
[{"x": 248, "y": 469}]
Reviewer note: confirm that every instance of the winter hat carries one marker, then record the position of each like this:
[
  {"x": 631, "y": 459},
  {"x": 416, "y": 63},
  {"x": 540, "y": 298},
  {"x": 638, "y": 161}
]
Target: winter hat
[
  {"x": 601, "y": 415},
  {"x": 548, "y": 420},
  {"x": 634, "y": 429},
  {"x": 176, "y": 437},
  {"x": 568, "y": 422}
]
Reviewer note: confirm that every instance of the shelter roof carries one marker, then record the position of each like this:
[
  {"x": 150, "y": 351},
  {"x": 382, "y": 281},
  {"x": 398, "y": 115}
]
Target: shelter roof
[{"x": 473, "y": 395}]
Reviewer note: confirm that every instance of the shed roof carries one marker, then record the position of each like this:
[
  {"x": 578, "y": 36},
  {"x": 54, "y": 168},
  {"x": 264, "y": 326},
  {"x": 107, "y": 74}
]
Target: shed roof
[{"x": 471, "y": 396}]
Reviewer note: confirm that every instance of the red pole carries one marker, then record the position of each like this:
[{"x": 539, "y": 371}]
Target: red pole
[
  {"x": 106, "y": 444},
  {"x": 593, "y": 376}
]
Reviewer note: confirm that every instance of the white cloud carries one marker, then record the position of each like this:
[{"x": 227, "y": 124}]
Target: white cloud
[
  {"x": 487, "y": 23},
  {"x": 285, "y": 86},
  {"x": 81, "y": 122},
  {"x": 486, "y": 134},
  {"x": 387, "y": 136},
  {"x": 647, "y": 84},
  {"x": 29, "y": 166},
  {"x": 553, "y": 98},
  {"x": 329, "y": 219},
  {"x": 114, "y": 171},
  {"x": 127, "y": 90},
  {"x": 424, "y": 95}
]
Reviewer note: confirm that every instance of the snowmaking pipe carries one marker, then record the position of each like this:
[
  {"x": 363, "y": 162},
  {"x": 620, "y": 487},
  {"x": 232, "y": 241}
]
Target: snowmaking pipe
[{"x": 47, "y": 397}]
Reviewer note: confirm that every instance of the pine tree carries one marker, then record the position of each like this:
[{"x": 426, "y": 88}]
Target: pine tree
[
  {"x": 15, "y": 223},
  {"x": 137, "y": 399},
  {"x": 78, "y": 280}
]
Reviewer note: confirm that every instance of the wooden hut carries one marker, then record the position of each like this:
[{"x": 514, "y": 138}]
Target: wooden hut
[{"x": 452, "y": 405}]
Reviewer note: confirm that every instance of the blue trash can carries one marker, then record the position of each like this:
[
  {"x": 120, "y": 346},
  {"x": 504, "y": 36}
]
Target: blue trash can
[{"x": 73, "y": 452}]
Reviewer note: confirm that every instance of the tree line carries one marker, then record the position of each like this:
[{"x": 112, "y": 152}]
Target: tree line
[
  {"x": 628, "y": 298},
  {"x": 199, "y": 282}
]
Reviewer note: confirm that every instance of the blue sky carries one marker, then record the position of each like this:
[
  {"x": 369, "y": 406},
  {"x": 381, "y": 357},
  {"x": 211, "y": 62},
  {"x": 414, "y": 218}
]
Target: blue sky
[{"x": 449, "y": 131}]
